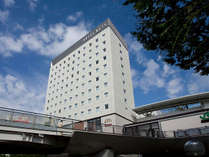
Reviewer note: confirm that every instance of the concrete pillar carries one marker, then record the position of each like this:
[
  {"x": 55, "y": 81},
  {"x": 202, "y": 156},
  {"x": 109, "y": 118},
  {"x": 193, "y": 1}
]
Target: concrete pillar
[{"x": 105, "y": 153}]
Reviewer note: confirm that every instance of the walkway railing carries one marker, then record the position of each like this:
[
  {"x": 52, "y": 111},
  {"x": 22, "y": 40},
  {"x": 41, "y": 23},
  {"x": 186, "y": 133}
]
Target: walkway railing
[{"x": 30, "y": 120}]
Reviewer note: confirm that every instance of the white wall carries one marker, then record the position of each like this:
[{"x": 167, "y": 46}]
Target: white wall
[
  {"x": 119, "y": 51},
  {"x": 182, "y": 123}
]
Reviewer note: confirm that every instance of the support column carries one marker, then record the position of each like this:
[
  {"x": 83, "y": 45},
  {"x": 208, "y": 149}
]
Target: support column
[{"x": 105, "y": 153}]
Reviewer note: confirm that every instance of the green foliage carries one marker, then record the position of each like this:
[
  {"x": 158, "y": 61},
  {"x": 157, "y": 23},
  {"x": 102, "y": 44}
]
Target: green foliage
[{"x": 178, "y": 29}]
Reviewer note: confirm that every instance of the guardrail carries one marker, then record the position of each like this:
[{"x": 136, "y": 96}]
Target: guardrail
[
  {"x": 30, "y": 120},
  {"x": 167, "y": 134},
  {"x": 25, "y": 119}
]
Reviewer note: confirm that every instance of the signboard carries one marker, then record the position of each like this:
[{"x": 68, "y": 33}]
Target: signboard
[
  {"x": 108, "y": 122},
  {"x": 205, "y": 117}
]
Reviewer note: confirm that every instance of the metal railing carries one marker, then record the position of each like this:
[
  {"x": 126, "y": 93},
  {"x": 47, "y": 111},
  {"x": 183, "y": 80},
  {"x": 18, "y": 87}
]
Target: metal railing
[
  {"x": 30, "y": 120},
  {"x": 167, "y": 134}
]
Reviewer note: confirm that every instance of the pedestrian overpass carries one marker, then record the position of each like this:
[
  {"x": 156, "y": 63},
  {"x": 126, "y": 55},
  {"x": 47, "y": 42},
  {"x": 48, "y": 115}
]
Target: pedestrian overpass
[{"x": 32, "y": 133}]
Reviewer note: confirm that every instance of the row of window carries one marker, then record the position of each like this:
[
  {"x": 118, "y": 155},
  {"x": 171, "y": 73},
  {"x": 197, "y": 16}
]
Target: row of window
[
  {"x": 76, "y": 95},
  {"x": 78, "y": 64},
  {"x": 89, "y": 111},
  {"x": 78, "y": 58}
]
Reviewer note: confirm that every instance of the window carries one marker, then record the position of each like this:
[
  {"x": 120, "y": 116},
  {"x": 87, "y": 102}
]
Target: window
[
  {"x": 72, "y": 76},
  {"x": 97, "y": 97},
  {"x": 76, "y": 95},
  {"x": 83, "y": 76},
  {"x": 84, "y": 54},
  {"x": 106, "y": 94},
  {"x": 122, "y": 66},
  {"x": 89, "y": 111},
  {"x": 106, "y": 106},
  {"x": 89, "y": 81},
  {"x": 90, "y": 57},
  {"x": 97, "y": 87},
  {"x": 83, "y": 84},
  {"x": 70, "y": 107},
  {"x": 78, "y": 65},
  {"x": 89, "y": 65},
  {"x": 97, "y": 69},
  {"x": 121, "y": 58},
  {"x": 82, "y": 102},
  {"x": 77, "y": 72},
  {"x": 73, "y": 62},
  {"x": 119, "y": 44},
  {"x": 90, "y": 44},
  {"x": 124, "y": 82},
  {"x": 82, "y": 112},
  {"x": 78, "y": 52},
  {"x": 84, "y": 61},
  {"x": 59, "y": 110},
  {"x": 105, "y": 65},
  {"x": 104, "y": 57},
  {"x": 120, "y": 52},
  {"x": 89, "y": 100},
  {"x": 105, "y": 74},
  {"x": 90, "y": 50},
  {"x": 69, "y": 116},
  {"x": 89, "y": 73},
  {"x": 68, "y": 65},
  {"x": 97, "y": 53},
  {"x": 83, "y": 68},
  {"x": 125, "y": 100},
  {"x": 103, "y": 34},
  {"x": 71, "y": 98},
  {"x": 66, "y": 85},
  {"x": 97, "y": 40},
  {"x": 97, "y": 61},
  {"x": 73, "y": 55},
  {"x": 97, "y": 78},
  {"x": 89, "y": 90},
  {"x": 76, "y": 105},
  {"x": 75, "y": 115},
  {"x": 123, "y": 73},
  {"x": 76, "y": 87},
  {"x": 104, "y": 42},
  {"x": 82, "y": 93},
  {"x": 124, "y": 91},
  {"x": 97, "y": 109},
  {"x": 104, "y": 49},
  {"x": 84, "y": 47}
]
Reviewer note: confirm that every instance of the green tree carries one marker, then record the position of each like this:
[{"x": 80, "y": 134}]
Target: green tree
[{"x": 178, "y": 29}]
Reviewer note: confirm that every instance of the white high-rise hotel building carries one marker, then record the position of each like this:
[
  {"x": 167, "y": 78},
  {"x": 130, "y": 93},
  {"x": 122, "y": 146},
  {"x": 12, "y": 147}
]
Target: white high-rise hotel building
[{"x": 91, "y": 80}]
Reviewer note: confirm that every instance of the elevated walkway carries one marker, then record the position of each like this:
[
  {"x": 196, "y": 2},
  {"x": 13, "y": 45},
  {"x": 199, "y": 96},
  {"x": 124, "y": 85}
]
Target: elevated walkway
[{"x": 25, "y": 132}]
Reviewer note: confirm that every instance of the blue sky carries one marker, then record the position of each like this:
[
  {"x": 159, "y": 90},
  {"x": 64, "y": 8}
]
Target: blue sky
[{"x": 32, "y": 32}]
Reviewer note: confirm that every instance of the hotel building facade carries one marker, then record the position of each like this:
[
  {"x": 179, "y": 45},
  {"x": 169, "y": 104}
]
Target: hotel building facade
[{"x": 91, "y": 80}]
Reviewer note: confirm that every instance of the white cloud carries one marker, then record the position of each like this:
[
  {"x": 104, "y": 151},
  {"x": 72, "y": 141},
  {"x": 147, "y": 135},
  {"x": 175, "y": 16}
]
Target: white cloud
[
  {"x": 136, "y": 48},
  {"x": 174, "y": 88},
  {"x": 9, "y": 3},
  {"x": 9, "y": 44},
  {"x": 134, "y": 76},
  {"x": 151, "y": 77},
  {"x": 4, "y": 16},
  {"x": 49, "y": 42},
  {"x": 74, "y": 16},
  {"x": 197, "y": 84},
  {"x": 18, "y": 94},
  {"x": 18, "y": 27},
  {"x": 32, "y": 4}
]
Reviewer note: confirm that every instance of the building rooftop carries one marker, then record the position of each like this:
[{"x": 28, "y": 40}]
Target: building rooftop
[
  {"x": 98, "y": 29},
  {"x": 189, "y": 99}
]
